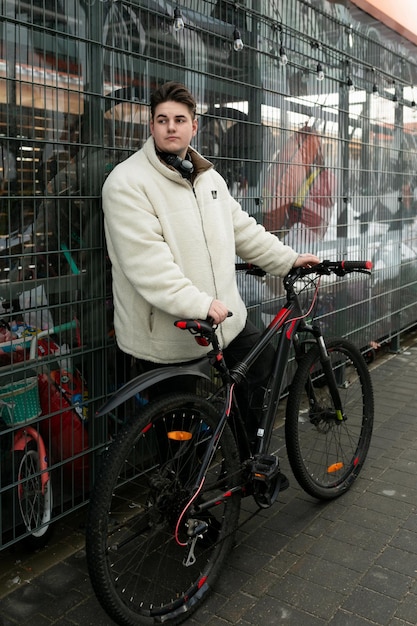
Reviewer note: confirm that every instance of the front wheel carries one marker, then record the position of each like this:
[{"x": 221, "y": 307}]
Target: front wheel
[
  {"x": 327, "y": 448},
  {"x": 33, "y": 503},
  {"x": 155, "y": 545}
]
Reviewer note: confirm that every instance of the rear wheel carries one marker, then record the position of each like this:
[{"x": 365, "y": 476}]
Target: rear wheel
[
  {"x": 154, "y": 546},
  {"x": 327, "y": 450}
]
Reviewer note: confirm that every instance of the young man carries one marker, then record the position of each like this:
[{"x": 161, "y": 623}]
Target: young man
[{"x": 173, "y": 231}]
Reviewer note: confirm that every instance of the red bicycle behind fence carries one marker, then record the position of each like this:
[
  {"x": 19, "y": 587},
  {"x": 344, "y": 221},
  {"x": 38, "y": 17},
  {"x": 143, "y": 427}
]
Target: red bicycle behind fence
[{"x": 29, "y": 443}]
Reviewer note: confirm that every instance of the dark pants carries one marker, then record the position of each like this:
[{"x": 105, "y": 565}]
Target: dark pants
[{"x": 249, "y": 394}]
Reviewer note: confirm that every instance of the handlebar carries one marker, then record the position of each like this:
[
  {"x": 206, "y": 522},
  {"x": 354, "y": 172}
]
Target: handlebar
[
  {"x": 49, "y": 331},
  {"x": 340, "y": 268},
  {"x": 204, "y": 329}
]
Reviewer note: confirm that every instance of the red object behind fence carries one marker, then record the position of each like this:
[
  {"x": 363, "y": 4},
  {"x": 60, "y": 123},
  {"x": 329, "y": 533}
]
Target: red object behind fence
[{"x": 61, "y": 394}]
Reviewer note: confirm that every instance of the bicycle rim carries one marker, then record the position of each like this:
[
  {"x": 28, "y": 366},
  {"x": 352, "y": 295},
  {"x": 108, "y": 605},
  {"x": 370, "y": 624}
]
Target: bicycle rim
[
  {"x": 140, "y": 513},
  {"x": 326, "y": 453},
  {"x": 35, "y": 502}
]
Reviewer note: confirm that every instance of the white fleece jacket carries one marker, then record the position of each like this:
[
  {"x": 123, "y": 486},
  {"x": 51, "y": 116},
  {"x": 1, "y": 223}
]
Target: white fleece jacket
[{"x": 173, "y": 247}]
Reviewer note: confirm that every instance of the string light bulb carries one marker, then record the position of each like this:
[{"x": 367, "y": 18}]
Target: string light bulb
[
  {"x": 320, "y": 72},
  {"x": 395, "y": 99},
  {"x": 283, "y": 59},
  {"x": 237, "y": 40},
  {"x": 178, "y": 21},
  {"x": 375, "y": 90},
  {"x": 349, "y": 32}
]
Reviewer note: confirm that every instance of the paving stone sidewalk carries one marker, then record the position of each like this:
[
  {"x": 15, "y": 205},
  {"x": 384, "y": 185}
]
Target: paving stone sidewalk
[{"x": 349, "y": 562}]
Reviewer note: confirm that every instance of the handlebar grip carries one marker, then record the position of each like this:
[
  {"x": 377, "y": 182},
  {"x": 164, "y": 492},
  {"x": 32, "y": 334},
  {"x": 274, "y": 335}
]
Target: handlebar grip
[
  {"x": 194, "y": 325},
  {"x": 197, "y": 325},
  {"x": 243, "y": 266},
  {"x": 351, "y": 266},
  {"x": 249, "y": 268},
  {"x": 63, "y": 327}
]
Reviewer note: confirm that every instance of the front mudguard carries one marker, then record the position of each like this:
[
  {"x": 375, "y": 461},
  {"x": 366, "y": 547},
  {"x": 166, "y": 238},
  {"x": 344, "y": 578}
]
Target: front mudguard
[
  {"x": 22, "y": 438},
  {"x": 148, "y": 379}
]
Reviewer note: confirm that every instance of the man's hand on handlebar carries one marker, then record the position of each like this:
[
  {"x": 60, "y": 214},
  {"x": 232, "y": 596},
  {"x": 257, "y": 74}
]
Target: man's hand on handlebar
[
  {"x": 218, "y": 312},
  {"x": 306, "y": 260}
]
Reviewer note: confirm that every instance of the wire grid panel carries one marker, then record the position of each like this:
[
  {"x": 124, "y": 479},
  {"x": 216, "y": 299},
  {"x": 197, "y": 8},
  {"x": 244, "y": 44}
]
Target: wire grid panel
[{"x": 326, "y": 165}]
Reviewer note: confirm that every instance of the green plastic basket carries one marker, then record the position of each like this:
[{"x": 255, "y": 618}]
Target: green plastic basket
[{"x": 19, "y": 401}]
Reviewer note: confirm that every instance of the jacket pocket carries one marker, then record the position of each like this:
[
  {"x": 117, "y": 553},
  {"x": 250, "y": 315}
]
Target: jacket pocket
[{"x": 151, "y": 320}]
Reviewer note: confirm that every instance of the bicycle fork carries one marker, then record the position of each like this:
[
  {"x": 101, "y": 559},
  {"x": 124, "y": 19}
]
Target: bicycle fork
[{"x": 329, "y": 376}]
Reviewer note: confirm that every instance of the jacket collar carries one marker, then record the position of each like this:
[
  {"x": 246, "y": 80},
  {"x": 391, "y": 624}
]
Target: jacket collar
[{"x": 201, "y": 164}]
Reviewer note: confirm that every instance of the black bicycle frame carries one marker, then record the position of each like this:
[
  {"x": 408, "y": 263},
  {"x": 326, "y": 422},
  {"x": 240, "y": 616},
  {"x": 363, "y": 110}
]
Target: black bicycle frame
[
  {"x": 289, "y": 326},
  {"x": 290, "y": 321}
]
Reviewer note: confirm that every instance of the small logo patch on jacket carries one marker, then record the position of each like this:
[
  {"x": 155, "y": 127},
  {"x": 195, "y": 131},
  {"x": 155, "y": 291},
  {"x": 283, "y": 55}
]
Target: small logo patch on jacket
[{"x": 214, "y": 194}]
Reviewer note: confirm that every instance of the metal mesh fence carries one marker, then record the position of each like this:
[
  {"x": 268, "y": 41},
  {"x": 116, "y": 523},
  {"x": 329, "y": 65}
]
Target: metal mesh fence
[{"x": 313, "y": 125}]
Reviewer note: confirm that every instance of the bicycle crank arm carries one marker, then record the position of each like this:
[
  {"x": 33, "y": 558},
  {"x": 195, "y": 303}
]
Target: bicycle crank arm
[{"x": 209, "y": 504}]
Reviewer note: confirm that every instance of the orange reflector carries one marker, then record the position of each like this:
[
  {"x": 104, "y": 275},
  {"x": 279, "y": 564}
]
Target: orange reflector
[
  {"x": 179, "y": 435},
  {"x": 334, "y": 468}
]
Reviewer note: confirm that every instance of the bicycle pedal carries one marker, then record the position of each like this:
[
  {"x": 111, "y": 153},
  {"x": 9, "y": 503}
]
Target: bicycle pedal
[
  {"x": 265, "y": 467},
  {"x": 268, "y": 480}
]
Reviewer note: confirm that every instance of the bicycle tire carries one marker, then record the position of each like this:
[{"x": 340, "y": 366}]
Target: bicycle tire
[
  {"x": 135, "y": 564},
  {"x": 326, "y": 454},
  {"x": 33, "y": 504}
]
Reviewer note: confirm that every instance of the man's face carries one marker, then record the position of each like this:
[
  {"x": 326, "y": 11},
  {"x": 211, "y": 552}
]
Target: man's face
[{"x": 173, "y": 127}]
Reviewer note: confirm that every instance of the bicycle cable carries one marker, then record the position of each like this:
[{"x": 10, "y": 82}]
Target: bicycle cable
[
  {"x": 313, "y": 302},
  {"x": 180, "y": 543}
]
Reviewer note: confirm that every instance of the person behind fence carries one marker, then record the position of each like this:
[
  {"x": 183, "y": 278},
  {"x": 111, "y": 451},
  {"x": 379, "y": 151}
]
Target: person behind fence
[{"x": 173, "y": 231}]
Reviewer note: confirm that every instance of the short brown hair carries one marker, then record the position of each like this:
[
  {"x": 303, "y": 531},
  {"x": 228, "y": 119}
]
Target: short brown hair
[{"x": 176, "y": 92}]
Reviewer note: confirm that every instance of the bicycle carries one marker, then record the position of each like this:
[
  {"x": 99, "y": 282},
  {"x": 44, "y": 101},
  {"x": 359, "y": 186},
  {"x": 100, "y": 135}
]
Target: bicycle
[
  {"x": 165, "y": 505},
  {"x": 25, "y": 473}
]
